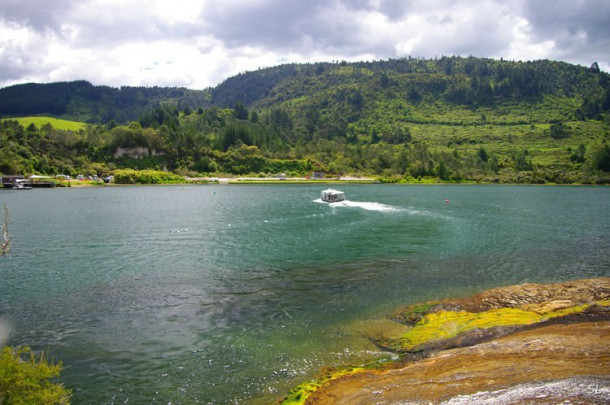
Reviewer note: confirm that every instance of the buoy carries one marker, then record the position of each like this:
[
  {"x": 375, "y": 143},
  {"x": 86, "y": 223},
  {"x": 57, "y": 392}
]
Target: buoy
[{"x": 446, "y": 201}]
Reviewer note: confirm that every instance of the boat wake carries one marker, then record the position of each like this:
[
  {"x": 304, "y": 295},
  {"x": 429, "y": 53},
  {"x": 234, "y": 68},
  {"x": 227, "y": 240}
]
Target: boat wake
[{"x": 369, "y": 206}]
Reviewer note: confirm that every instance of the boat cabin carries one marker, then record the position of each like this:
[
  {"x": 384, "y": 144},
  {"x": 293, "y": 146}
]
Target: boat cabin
[{"x": 331, "y": 195}]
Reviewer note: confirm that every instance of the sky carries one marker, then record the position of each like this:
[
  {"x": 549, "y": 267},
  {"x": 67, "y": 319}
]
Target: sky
[{"x": 199, "y": 43}]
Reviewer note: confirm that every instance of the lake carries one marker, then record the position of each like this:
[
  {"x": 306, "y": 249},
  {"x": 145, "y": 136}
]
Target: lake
[{"x": 233, "y": 294}]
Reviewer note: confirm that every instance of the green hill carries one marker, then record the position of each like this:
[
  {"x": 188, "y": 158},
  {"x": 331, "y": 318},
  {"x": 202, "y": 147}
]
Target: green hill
[
  {"x": 82, "y": 101},
  {"x": 452, "y": 119}
]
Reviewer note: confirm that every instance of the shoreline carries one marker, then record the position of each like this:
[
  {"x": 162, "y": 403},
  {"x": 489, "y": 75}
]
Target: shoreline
[
  {"x": 514, "y": 341},
  {"x": 291, "y": 181}
]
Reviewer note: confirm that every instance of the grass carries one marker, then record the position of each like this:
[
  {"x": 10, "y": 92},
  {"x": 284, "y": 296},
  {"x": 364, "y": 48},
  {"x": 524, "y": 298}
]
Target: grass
[{"x": 56, "y": 123}]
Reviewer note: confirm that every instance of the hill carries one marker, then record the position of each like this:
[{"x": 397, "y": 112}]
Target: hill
[
  {"x": 82, "y": 101},
  {"x": 452, "y": 119}
]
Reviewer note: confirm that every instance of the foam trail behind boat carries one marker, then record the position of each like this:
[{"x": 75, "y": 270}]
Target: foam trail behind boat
[{"x": 369, "y": 206}]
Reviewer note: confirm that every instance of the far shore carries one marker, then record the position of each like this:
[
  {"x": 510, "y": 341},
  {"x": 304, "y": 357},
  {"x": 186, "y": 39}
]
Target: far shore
[
  {"x": 245, "y": 180},
  {"x": 230, "y": 180}
]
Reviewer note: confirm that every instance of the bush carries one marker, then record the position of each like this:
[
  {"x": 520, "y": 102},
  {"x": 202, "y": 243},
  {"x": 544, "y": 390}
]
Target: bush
[
  {"x": 130, "y": 176},
  {"x": 24, "y": 378},
  {"x": 602, "y": 158},
  {"x": 558, "y": 130}
]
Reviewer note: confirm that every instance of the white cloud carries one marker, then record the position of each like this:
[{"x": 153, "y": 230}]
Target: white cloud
[
  {"x": 196, "y": 43},
  {"x": 523, "y": 47},
  {"x": 18, "y": 52},
  {"x": 186, "y": 11}
]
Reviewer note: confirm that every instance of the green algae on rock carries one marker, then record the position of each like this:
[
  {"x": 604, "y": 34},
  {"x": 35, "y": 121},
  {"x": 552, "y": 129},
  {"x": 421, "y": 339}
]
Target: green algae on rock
[
  {"x": 443, "y": 325},
  {"x": 300, "y": 393}
]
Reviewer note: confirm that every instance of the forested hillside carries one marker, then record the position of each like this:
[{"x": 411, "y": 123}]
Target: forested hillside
[
  {"x": 82, "y": 101},
  {"x": 450, "y": 119}
]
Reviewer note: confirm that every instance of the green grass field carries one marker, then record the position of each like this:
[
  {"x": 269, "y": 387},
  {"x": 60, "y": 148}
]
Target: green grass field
[{"x": 55, "y": 122}]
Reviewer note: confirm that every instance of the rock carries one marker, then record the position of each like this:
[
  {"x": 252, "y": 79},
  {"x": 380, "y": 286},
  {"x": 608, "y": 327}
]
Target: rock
[
  {"x": 545, "y": 307},
  {"x": 543, "y": 357},
  {"x": 518, "y": 296},
  {"x": 534, "y": 343}
]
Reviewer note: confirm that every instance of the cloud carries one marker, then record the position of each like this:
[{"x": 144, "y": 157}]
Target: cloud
[
  {"x": 579, "y": 30},
  {"x": 460, "y": 30},
  {"x": 36, "y": 15},
  {"x": 198, "y": 43},
  {"x": 275, "y": 24}
]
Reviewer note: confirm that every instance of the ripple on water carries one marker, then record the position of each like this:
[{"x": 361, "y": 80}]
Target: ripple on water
[{"x": 216, "y": 294}]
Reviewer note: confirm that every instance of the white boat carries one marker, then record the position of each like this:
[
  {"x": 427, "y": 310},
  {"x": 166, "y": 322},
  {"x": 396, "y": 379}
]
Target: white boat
[
  {"x": 330, "y": 195},
  {"x": 21, "y": 184}
]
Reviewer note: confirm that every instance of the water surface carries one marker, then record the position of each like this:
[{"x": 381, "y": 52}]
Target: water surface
[{"x": 232, "y": 294}]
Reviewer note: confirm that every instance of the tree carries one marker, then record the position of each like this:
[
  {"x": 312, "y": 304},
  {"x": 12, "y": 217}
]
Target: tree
[
  {"x": 579, "y": 154},
  {"x": 442, "y": 171},
  {"x": 557, "y": 130},
  {"x": 602, "y": 158},
  {"x": 239, "y": 111},
  {"x": 356, "y": 99},
  {"x": 164, "y": 115},
  {"x": 384, "y": 81},
  {"x": 591, "y": 107},
  {"x": 521, "y": 162},
  {"x": 24, "y": 378},
  {"x": 482, "y": 154},
  {"x": 254, "y": 116},
  {"x": 374, "y": 136},
  {"x": 595, "y": 67},
  {"x": 398, "y": 136},
  {"x": 402, "y": 162},
  {"x": 494, "y": 165},
  {"x": 414, "y": 96}
]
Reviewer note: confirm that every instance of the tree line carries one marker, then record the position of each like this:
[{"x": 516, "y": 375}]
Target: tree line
[
  {"x": 82, "y": 101},
  {"x": 239, "y": 141}
]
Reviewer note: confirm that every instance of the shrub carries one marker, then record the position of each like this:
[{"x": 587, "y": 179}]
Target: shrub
[
  {"x": 602, "y": 158},
  {"x": 130, "y": 176},
  {"x": 24, "y": 378}
]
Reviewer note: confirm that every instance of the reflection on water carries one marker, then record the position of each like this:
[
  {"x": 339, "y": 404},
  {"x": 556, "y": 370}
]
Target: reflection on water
[{"x": 227, "y": 294}]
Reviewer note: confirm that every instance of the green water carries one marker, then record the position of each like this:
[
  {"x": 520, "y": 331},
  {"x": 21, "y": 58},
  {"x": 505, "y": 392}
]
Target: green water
[{"x": 232, "y": 294}]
